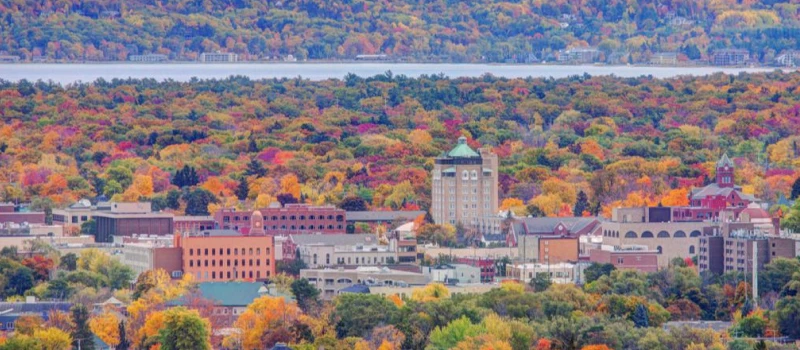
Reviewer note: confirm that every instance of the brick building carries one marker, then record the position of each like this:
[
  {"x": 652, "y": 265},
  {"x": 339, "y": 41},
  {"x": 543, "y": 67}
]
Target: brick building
[
  {"x": 13, "y": 214},
  {"x": 290, "y": 219},
  {"x": 227, "y": 255},
  {"x": 550, "y": 240},
  {"x": 487, "y": 266},
  {"x": 626, "y": 257},
  {"x": 193, "y": 223}
]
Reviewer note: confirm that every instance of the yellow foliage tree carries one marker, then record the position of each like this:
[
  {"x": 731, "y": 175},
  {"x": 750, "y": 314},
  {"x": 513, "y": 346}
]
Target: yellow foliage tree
[
  {"x": 676, "y": 198},
  {"x": 565, "y": 191},
  {"x": 262, "y": 315},
  {"x": 143, "y": 184},
  {"x": 53, "y": 339},
  {"x": 106, "y": 327},
  {"x": 509, "y": 203},
  {"x": 550, "y": 204},
  {"x": 93, "y": 259},
  {"x": 431, "y": 292},
  {"x": 291, "y": 185}
]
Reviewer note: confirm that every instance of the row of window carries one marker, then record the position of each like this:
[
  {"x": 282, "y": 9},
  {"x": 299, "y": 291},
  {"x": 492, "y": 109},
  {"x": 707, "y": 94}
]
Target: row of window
[
  {"x": 226, "y": 251},
  {"x": 648, "y": 234},
  {"x": 227, "y": 275},
  {"x": 214, "y": 263},
  {"x": 284, "y": 217}
]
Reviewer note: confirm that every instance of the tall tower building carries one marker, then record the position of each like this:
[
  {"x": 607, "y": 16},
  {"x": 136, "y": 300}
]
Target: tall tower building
[
  {"x": 725, "y": 168},
  {"x": 464, "y": 186}
]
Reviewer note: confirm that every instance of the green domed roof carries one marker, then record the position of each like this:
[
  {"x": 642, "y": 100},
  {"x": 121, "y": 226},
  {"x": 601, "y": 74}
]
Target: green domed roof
[{"x": 462, "y": 150}]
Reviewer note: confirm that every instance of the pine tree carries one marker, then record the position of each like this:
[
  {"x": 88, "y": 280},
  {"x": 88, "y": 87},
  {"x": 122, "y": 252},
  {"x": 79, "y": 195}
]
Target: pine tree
[
  {"x": 252, "y": 147},
  {"x": 81, "y": 334},
  {"x": 254, "y": 168},
  {"x": 243, "y": 189},
  {"x": 641, "y": 316},
  {"x": 795, "y": 189},
  {"x": 581, "y": 205},
  {"x": 124, "y": 344}
]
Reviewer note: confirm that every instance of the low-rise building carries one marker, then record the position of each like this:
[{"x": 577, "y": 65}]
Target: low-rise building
[
  {"x": 188, "y": 223},
  {"x": 551, "y": 240},
  {"x": 147, "y": 256},
  {"x": 486, "y": 265},
  {"x": 558, "y": 273},
  {"x": 230, "y": 299},
  {"x": 664, "y": 58},
  {"x": 77, "y": 213},
  {"x": 286, "y": 220},
  {"x": 729, "y": 57},
  {"x": 14, "y": 214},
  {"x": 9, "y": 58},
  {"x": 790, "y": 58},
  {"x": 579, "y": 55},
  {"x": 631, "y": 257},
  {"x": 11, "y": 311},
  {"x": 406, "y": 243},
  {"x": 148, "y": 58},
  {"x": 331, "y": 281},
  {"x": 453, "y": 273},
  {"x": 127, "y": 219},
  {"x": 344, "y": 249},
  {"x": 223, "y": 57}
]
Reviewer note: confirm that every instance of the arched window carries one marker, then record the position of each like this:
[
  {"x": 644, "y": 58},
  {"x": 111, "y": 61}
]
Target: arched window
[
  {"x": 631, "y": 234},
  {"x": 340, "y": 218},
  {"x": 658, "y": 249},
  {"x": 679, "y": 234},
  {"x": 310, "y": 227},
  {"x": 474, "y": 175},
  {"x": 465, "y": 175},
  {"x": 647, "y": 234},
  {"x": 691, "y": 249},
  {"x": 695, "y": 233},
  {"x": 302, "y": 227},
  {"x": 663, "y": 234},
  {"x": 616, "y": 234}
]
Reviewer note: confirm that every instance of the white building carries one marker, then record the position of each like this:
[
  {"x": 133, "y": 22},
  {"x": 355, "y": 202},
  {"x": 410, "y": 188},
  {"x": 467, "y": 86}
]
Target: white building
[
  {"x": 320, "y": 250},
  {"x": 226, "y": 57},
  {"x": 558, "y": 273},
  {"x": 453, "y": 273}
]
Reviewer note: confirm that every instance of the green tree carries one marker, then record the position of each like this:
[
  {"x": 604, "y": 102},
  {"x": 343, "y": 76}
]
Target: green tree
[
  {"x": 357, "y": 314},
  {"x": 21, "y": 342},
  {"x": 641, "y": 316},
  {"x": 19, "y": 281},
  {"x": 306, "y": 294},
  {"x": 541, "y": 281},
  {"x": 353, "y": 203},
  {"x": 173, "y": 199},
  {"x": 255, "y": 168},
  {"x": 82, "y": 336},
  {"x": 447, "y": 337},
  {"x": 197, "y": 201},
  {"x": 124, "y": 344},
  {"x": 242, "y": 190},
  {"x": 752, "y": 326},
  {"x": 184, "y": 329},
  {"x": 787, "y": 314},
  {"x": 111, "y": 188},
  {"x": 581, "y": 204},
  {"x": 595, "y": 270},
  {"x": 795, "y": 189},
  {"x": 534, "y": 211},
  {"x": 89, "y": 227}
]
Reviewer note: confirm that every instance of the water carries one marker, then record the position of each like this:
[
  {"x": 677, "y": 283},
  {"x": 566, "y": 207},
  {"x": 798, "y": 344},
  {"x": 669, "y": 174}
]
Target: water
[{"x": 72, "y": 73}]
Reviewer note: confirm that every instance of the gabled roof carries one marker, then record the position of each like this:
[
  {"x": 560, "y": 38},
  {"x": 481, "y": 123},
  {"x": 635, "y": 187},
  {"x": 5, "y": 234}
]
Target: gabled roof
[
  {"x": 462, "y": 150},
  {"x": 572, "y": 224},
  {"x": 725, "y": 161},
  {"x": 714, "y": 190}
]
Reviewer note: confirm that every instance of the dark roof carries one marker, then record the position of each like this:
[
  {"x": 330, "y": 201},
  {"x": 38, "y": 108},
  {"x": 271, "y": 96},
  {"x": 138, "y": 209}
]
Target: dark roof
[
  {"x": 499, "y": 237},
  {"x": 573, "y": 224},
  {"x": 714, "y": 190},
  {"x": 38, "y": 307},
  {"x": 383, "y": 215},
  {"x": 356, "y": 289}
]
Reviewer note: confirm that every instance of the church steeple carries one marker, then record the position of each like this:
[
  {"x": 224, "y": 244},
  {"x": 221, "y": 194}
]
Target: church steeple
[{"x": 725, "y": 169}]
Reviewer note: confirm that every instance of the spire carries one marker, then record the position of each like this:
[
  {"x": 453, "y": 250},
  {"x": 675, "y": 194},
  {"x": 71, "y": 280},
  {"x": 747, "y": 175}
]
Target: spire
[{"x": 725, "y": 161}]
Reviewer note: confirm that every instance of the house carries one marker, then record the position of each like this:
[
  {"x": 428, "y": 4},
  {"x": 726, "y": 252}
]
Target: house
[
  {"x": 790, "y": 58},
  {"x": 11, "y": 311},
  {"x": 231, "y": 298},
  {"x": 664, "y": 58}
]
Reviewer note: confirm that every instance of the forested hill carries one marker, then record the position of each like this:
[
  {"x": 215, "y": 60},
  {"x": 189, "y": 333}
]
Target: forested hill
[{"x": 437, "y": 30}]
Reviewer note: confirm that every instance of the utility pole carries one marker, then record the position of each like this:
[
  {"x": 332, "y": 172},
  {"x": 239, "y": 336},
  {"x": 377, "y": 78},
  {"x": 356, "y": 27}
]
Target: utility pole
[{"x": 755, "y": 272}]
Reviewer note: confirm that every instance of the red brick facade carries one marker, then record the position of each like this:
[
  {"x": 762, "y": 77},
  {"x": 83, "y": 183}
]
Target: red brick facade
[{"x": 292, "y": 219}]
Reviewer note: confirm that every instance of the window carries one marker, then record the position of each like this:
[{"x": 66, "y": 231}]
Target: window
[
  {"x": 251, "y": 251},
  {"x": 465, "y": 175},
  {"x": 258, "y": 251},
  {"x": 691, "y": 249},
  {"x": 205, "y": 252},
  {"x": 191, "y": 252},
  {"x": 191, "y": 263},
  {"x": 314, "y": 260},
  {"x": 620, "y": 260}
]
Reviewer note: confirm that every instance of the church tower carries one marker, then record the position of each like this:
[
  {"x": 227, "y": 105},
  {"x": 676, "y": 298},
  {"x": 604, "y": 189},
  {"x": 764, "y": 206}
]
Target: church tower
[
  {"x": 257, "y": 224},
  {"x": 725, "y": 168}
]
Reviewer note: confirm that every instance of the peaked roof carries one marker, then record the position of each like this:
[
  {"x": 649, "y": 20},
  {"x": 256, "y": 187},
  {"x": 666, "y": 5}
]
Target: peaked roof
[
  {"x": 462, "y": 150},
  {"x": 543, "y": 225},
  {"x": 714, "y": 190},
  {"x": 725, "y": 161}
]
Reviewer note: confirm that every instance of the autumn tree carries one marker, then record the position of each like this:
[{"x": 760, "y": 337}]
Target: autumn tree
[
  {"x": 184, "y": 329},
  {"x": 266, "y": 320},
  {"x": 106, "y": 327}
]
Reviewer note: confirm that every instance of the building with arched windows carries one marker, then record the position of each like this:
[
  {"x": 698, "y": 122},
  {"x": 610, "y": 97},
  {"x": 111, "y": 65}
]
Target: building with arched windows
[{"x": 464, "y": 186}]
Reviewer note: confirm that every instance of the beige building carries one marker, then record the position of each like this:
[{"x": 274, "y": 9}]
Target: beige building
[
  {"x": 218, "y": 57},
  {"x": 653, "y": 227},
  {"x": 559, "y": 273},
  {"x": 146, "y": 256},
  {"x": 464, "y": 186},
  {"x": 344, "y": 249},
  {"x": 331, "y": 281}
]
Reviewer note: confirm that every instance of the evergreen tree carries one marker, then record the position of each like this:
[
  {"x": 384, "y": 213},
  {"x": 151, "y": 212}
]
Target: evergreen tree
[
  {"x": 81, "y": 336},
  {"x": 173, "y": 199},
  {"x": 243, "y": 189},
  {"x": 252, "y": 147},
  {"x": 641, "y": 316},
  {"x": 581, "y": 205},
  {"x": 197, "y": 201},
  {"x": 306, "y": 294},
  {"x": 124, "y": 344},
  {"x": 747, "y": 307},
  {"x": 254, "y": 168},
  {"x": 795, "y": 190}
]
